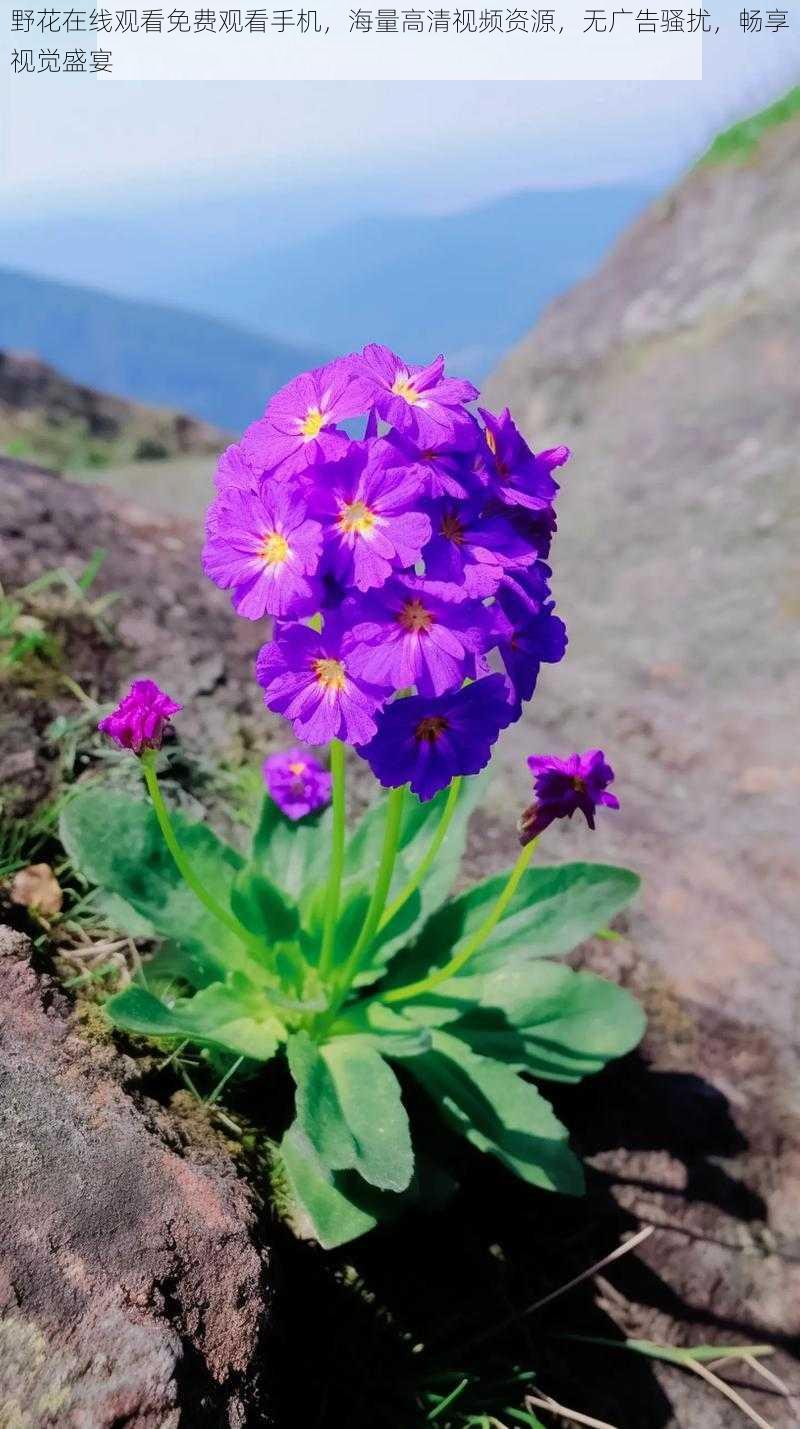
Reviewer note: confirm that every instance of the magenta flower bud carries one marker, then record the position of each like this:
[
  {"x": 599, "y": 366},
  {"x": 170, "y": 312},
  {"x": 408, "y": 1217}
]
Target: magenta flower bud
[
  {"x": 297, "y": 782},
  {"x": 139, "y": 721},
  {"x": 561, "y": 786}
]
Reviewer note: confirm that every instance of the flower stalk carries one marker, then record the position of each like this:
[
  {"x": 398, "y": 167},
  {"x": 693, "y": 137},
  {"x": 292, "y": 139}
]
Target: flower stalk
[
  {"x": 377, "y": 902},
  {"x": 190, "y": 878},
  {"x": 473, "y": 944},
  {"x": 426, "y": 862},
  {"x": 336, "y": 867}
]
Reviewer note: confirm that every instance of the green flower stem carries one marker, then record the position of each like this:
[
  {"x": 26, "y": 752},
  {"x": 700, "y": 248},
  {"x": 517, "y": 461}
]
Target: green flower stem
[
  {"x": 473, "y": 944},
  {"x": 337, "y": 857},
  {"x": 181, "y": 862},
  {"x": 428, "y": 857},
  {"x": 377, "y": 903}
]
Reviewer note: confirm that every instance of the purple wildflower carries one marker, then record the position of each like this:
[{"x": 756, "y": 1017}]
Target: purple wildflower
[
  {"x": 309, "y": 678},
  {"x": 537, "y": 527},
  {"x": 417, "y": 632},
  {"x": 531, "y": 641},
  {"x": 139, "y": 721},
  {"x": 371, "y": 527},
  {"x": 439, "y": 469},
  {"x": 263, "y": 548},
  {"x": 420, "y": 402},
  {"x": 473, "y": 549},
  {"x": 299, "y": 425},
  {"x": 297, "y": 782},
  {"x": 561, "y": 786},
  {"x": 234, "y": 470},
  {"x": 518, "y": 476},
  {"x": 528, "y": 634},
  {"x": 427, "y": 742}
]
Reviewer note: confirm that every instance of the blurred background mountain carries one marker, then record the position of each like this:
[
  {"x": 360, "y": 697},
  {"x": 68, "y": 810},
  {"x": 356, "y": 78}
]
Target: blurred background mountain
[{"x": 257, "y": 309}]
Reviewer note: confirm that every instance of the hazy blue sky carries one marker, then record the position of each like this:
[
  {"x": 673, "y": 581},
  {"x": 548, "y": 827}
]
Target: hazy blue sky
[{"x": 79, "y": 142}]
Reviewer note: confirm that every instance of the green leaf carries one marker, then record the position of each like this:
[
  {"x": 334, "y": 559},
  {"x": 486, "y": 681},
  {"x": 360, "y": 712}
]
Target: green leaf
[
  {"x": 317, "y": 1106},
  {"x": 177, "y": 964},
  {"x": 334, "y": 1207},
  {"x": 553, "y": 910},
  {"x": 350, "y": 1108},
  {"x": 232, "y": 1015},
  {"x": 499, "y": 1113},
  {"x": 540, "y": 1017},
  {"x": 392, "y": 1033},
  {"x": 319, "y": 1203},
  {"x": 292, "y": 853},
  {"x": 115, "y": 842},
  {"x": 262, "y": 907}
]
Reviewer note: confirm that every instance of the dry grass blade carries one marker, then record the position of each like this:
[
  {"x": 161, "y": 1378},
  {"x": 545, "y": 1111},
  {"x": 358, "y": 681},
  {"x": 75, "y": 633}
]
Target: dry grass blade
[
  {"x": 622, "y": 1249},
  {"x": 769, "y": 1375},
  {"x": 574, "y": 1417},
  {"x": 723, "y": 1388}
]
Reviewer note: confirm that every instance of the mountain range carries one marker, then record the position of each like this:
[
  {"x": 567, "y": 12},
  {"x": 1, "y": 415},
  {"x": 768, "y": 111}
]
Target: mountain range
[
  {"x": 160, "y": 355},
  {"x": 220, "y": 320}
]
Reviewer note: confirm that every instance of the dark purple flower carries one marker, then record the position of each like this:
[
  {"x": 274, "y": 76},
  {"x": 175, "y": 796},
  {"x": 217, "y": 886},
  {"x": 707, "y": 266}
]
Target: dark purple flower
[
  {"x": 367, "y": 509},
  {"x": 440, "y": 470},
  {"x": 417, "y": 632},
  {"x": 427, "y": 742},
  {"x": 526, "y": 643},
  {"x": 420, "y": 402},
  {"x": 261, "y": 546},
  {"x": 139, "y": 721},
  {"x": 297, "y": 782},
  {"x": 561, "y": 786},
  {"x": 518, "y": 476},
  {"x": 309, "y": 678},
  {"x": 473, "y": 549},
  {"x": 299, "y": 425},
  {"x": 538, "y": 527}
]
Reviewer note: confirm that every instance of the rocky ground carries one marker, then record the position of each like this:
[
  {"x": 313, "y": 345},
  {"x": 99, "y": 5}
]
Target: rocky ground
[{"x": 698, "y": 1136}]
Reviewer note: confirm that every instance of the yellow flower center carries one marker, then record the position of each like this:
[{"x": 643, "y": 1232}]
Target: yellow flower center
[
  {"x": 430, "y": 729},
  {"x": 403, "y": 387},
  {"x": 356, "y": 516},
  {"x": 330, "y": 673},
  {"x": 297, "y": 767},
  {"x": 313, "y": 424},
  {"x": 490, "y": 442},
  {"x": 451, "y": 528},
  {"x": 274, "y": 549},
  {"x": 415, "y": 617}
]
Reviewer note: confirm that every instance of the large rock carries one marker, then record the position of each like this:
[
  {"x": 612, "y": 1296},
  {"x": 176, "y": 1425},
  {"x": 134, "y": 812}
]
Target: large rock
[{"x": 132, "y": 1283}]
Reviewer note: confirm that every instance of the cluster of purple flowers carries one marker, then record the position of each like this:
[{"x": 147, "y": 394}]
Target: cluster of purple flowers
[{"x": 419, "y": 550}]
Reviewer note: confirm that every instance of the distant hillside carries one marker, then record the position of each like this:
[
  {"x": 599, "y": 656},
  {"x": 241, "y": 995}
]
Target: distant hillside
[
  {"x": 674, "y": 374},
  {"x": 741, "y": 141},
  {"x": 158, "y": 355},
  {"x": 47, "y": 418},
  {"x": 467, "y": 283}
]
